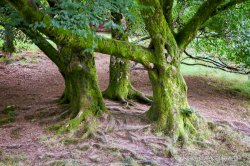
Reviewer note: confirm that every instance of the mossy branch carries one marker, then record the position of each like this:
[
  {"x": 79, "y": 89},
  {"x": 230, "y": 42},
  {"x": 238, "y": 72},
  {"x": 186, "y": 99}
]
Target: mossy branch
[
  {"x": 189, "y": 31},
  {"x": 157, "y": 26},
  {"x": 44, "y": 45},
  {"x": 113, "y": 47},
  {"x": 227, "y": 6},
  {"x": 167, "y": 7}
]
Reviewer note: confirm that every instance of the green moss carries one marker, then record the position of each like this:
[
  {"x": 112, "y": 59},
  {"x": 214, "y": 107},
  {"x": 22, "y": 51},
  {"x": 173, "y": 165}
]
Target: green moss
[
  {"x": 6, "y": 120},
  {"x": 10, "y": 110},
  {"x": 119, "y": 82}
]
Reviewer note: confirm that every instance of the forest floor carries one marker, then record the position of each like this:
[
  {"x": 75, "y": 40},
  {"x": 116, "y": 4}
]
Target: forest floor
[{"x": 124, "y": 137}]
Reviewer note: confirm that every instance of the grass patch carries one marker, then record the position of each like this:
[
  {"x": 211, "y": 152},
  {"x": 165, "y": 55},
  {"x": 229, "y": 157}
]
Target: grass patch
[
  {"x": 14, "y": 160},
  {"x": 242, "y": 88},
  {"x": 226, "y": 147},
  {"x": 213, "y": 73},
  {"x": 236, "y": 83},
  {"x": 7, "y": 115}
]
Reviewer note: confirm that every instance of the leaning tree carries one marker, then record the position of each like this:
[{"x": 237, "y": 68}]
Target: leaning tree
[
  {"x": 170, "y": 109},
  {"x": 7, "y": 33}
]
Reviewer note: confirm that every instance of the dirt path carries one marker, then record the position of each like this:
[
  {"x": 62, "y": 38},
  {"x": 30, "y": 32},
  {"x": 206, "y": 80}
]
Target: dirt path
[{"x": 35, "y": 87}]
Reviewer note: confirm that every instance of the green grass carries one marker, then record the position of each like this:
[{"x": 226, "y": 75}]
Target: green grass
[
  {"x": 233, "y": 82},
  {"x": 214, "y": 73},
  {"x": 242, "y": 88}
]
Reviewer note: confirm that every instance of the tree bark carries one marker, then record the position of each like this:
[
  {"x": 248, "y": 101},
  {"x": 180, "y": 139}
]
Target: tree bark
[
  {"x": 81, "y": 89},
  {"x": 170, "y": 109}
]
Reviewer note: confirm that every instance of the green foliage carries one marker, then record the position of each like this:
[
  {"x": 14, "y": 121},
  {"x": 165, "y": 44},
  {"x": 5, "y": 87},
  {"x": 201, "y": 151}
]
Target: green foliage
[
  {"x": 227, "y": 36},
  {"x": 6, "y": 120}
]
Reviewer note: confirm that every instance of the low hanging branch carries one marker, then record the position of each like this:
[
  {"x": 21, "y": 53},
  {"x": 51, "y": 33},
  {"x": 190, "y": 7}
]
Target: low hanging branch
[
  {"x": 226, "y": 6},
  {"x": 209, "y": 62},
  {"x": 215, "y": 63},
  {"x": 113, "y": 47}
]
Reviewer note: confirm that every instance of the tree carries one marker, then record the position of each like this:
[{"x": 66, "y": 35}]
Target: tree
[
  {"x": 170, "y": 109},
  {"x": 120, "y": 87},
  {"x": 7, "y": 34},
  {"x": 8, "y": 45}
]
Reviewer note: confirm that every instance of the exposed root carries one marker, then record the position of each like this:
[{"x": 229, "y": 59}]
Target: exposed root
[
  {"x": 190, "y": 128},
  {"x": 49, "y": 115},
  {"x": 55, "y": 118},
  {"x": 132, "y": 128},
  {"x": 132, "y": 94},
  {"x": 83, "y": 126},
  {"x": 111, "y": 125},
  {"x": 238, "y": 126},
  {"x": 139, "y": 96},
  {"x": 116, "y": 110},
  {"x": 120, "y": 148}
]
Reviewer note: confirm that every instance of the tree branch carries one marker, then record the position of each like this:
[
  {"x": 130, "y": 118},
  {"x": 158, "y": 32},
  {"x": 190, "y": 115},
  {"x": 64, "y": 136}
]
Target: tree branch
[
  {"x": 227, "y": 6},
  {"x": 189, "y": 31},
  {"x": 212, "y": 63},
  {"x": 167, "y": 7},
  {"x": 113, "y": 47},
  {"x": 44, "y": 45},
  {"x": 157, "y": 25}
]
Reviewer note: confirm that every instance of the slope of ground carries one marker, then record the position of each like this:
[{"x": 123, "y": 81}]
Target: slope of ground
[{"x": 123, "y": 138}]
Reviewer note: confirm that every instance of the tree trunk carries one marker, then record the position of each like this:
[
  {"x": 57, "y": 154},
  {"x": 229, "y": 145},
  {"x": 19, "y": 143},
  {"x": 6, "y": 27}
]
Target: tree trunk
[
  {"x": 8, "y": 45},
  {"x": 120, "y": 87},
  {"x": 119, "y": 79},
  {"x": 170, "y": 108},
  {"x": 82, "y": 90}
]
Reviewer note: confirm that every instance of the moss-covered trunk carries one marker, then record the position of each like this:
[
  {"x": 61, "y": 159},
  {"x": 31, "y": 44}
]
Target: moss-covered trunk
[
  {"x": 82, "y": 90},
  {"x": 8, "y": 45},
  {"x": 119, "y": 79},
  {"x": 120, "y": 87},
  {"x": 170, "y": 109}
]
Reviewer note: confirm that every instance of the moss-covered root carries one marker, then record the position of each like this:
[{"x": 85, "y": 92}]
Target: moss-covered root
[
  {"x": 170, "y": 109},
  {"x": 129, "y": 94},
  {"x": 190, "y": 128},
  {"x": 84, "y": 125},
  {"x": 139, "y": 96}
]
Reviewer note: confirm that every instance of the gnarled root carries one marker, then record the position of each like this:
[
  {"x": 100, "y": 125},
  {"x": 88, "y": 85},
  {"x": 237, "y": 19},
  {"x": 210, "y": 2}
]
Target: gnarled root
[{"x": 191, "y": 128}]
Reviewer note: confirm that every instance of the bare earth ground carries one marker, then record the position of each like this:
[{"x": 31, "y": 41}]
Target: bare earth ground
[{"x": 124, "y": 138}]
